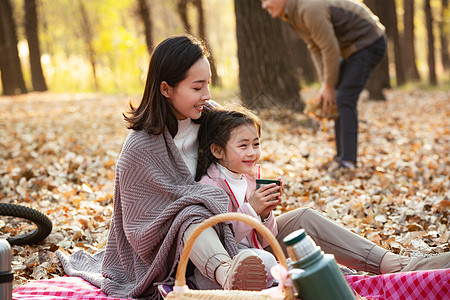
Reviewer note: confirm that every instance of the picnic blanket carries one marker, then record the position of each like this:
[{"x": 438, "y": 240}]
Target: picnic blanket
[{"x": 423, "y": 285}]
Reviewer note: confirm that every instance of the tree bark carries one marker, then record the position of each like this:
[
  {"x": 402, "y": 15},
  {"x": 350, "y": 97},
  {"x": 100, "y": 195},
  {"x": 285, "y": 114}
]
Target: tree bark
[
  {"x": 201, "y": 18},
  {"x": 31, "y": 29},
  {"x": 183, "y": 13},
  {"x": 11, "y": 70},
  {"x": 431, "y": 58},
  {"x": 144, "y": 13},
  {"x": 409, "y": 52},
  {"x": 299, "y": 56},
  {"x": 379, "y": 79},
  {"x": 444, "y": 32},
  {"x": 215, "y": 79},
  {"x": 392, "y": 32},
  {"x": 266, "y": 75},
  {"x": 88, "y": 37}
]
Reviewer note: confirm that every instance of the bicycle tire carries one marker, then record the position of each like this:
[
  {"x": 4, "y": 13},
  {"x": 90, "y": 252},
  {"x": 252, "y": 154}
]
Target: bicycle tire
[{"x": 43, "y": 223}]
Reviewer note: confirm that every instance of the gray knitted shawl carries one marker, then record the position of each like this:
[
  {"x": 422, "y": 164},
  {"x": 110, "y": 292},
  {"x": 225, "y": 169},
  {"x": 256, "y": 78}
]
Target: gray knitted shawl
[{"x": 155, "y": 200}]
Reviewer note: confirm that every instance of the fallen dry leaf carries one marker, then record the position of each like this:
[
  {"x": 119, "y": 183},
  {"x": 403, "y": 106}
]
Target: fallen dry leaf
[{"x": 58, "y": 154}]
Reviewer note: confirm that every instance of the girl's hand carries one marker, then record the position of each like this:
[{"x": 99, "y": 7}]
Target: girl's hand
[
  {"x": 263, "y": 201},
  {"x": 265, "y": 213}
]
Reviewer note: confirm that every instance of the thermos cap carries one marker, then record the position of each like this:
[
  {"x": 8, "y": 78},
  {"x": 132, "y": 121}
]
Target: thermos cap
[{"x": 294, "y": 237}]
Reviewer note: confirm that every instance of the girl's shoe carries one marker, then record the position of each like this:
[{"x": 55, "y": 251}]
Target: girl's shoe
[{"x": 441, "y": 261}]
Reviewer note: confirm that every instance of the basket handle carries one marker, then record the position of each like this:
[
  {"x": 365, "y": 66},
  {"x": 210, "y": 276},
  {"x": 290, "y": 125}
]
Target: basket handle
[{"x": 180, "y": 276}]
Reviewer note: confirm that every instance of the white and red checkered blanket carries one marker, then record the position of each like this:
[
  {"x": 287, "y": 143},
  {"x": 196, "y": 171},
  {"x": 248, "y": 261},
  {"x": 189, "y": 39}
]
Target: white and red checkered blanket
[{"x": 423, "y": 285}]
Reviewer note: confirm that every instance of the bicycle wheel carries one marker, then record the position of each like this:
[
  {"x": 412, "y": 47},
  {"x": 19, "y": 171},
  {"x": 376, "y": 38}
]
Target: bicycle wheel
[{"x": 18, "y": 219}]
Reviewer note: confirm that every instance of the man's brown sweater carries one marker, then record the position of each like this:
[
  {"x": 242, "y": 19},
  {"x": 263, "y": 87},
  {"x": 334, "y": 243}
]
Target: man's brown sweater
[{"x": 333, "y": 29}]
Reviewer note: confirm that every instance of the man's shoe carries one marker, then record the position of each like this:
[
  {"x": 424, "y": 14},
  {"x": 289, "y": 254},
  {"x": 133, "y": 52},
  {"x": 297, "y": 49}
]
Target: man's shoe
[
  {"x": 348, "y": 165},
  {"x": 333, "y": 164},
  {"x": 341, "y": 168},
  {"x": 247, "y": 272},
  {"x": 441, "y": 261}
]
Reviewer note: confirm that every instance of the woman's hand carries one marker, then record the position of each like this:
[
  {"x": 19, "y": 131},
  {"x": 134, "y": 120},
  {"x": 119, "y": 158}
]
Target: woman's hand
[{"x": 263, "y": 201}]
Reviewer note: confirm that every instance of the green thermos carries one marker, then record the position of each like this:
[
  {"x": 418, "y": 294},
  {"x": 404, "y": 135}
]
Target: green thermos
[{"x": 320, "y": 277}]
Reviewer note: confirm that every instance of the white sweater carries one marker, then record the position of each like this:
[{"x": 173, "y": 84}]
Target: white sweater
[{"x": 187, "y": 143}]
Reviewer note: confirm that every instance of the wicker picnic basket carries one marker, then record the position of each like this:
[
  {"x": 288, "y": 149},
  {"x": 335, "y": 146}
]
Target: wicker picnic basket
[{"x": 180, "y": 276}]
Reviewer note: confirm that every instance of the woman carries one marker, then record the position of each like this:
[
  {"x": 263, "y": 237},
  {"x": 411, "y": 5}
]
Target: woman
[{"x": 157, "y": 202}]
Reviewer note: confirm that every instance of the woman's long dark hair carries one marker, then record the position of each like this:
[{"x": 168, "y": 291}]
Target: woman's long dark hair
[
  {"x": 170, "y": 62},
  {"x": 215, "y": 128}
]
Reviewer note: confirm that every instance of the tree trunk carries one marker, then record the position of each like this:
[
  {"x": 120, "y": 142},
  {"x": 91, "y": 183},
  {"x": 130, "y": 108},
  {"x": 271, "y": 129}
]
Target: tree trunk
[
  {"x": 201, "y": 18},
  {"x": 31, "y": 29},
  {"x": 379, "y": 79},
  {"x": 444, "y": 32},
  {"x": 430, "y": 36},
  {"x": 409, "y": 53},
  {"x": 183, "y": 13},
  {"x": 88, "y": 36},
  {"x": 392, "y": 33},
  {"x": 299, "y": 55},
  {"x": 215, "y": 79},
  {"x": 11, "y": 70},
  {"x": 266, "y": 75},
  {"x": 144, "y": 13}
]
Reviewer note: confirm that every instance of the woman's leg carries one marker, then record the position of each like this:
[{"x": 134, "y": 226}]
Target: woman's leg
[
  {"x": 348, "y": 248},
  {"x": 208, "y": 256},
  {"x": 245, "y": 271},
  {"x": 267, "y": 258}
]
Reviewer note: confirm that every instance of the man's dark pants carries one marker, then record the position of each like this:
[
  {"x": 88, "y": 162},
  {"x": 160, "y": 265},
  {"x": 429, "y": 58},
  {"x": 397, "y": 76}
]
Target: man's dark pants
[{"x": 354, "y": 73}]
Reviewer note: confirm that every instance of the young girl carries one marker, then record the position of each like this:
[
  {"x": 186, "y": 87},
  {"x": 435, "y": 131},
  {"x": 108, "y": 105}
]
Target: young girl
[
  {"x": 228, "y": 155},
  {"x": 228, "y": 152},
  {"x": 157, "y": 202}
]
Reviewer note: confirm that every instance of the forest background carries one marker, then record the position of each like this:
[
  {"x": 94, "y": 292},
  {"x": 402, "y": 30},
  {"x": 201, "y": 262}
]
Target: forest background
[
  {"x": 104, "y": 46},
  {"x": 69, "y": 68}
]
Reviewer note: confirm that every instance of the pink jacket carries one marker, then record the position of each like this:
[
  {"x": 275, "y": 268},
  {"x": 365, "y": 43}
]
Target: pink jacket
[{"x": 241, "y": 230}]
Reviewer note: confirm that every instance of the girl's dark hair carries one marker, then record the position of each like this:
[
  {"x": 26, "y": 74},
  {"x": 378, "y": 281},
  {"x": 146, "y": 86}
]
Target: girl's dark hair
[
  {"x": 170, "y": 62},
  {"x": 215, "y": 128}
]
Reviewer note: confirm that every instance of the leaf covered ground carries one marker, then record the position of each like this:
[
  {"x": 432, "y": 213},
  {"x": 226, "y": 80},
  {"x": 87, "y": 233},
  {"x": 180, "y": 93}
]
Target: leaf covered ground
[{"x": 58, "y": 155}]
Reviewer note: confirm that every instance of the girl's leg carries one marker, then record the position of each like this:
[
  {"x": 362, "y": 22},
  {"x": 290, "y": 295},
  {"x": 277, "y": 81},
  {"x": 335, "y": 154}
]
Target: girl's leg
[
  {"x": 348, "y": 248},
  {"x": 245, "y": 271}
]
